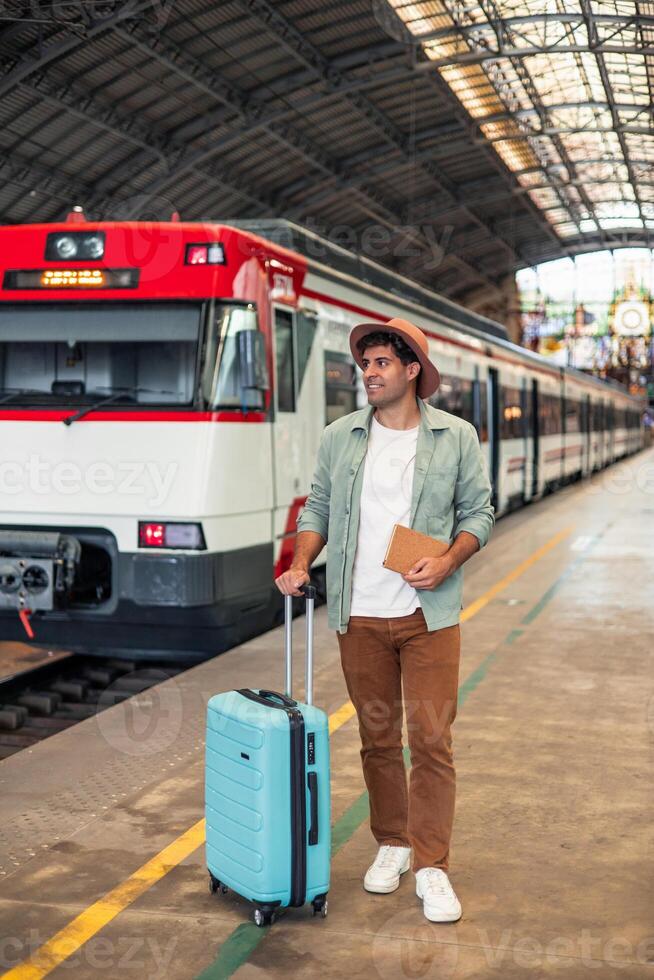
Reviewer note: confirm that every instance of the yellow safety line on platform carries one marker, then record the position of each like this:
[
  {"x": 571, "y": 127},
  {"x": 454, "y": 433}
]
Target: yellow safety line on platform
[
  {"x": 340, "y": 716},
  {"x": 484, "y": 599},
  {"x": 89, "y": 922}
]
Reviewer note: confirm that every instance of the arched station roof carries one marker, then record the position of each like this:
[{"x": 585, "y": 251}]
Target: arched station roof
[{"x": 455, "y": 141}]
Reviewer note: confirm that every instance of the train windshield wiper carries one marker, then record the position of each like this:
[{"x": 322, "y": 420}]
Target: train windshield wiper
[{"x": 118, "y": 394}]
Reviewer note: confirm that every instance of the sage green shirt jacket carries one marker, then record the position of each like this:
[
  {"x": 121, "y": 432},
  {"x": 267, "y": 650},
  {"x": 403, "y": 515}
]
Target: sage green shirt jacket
[{"x": 451, "y": 492}]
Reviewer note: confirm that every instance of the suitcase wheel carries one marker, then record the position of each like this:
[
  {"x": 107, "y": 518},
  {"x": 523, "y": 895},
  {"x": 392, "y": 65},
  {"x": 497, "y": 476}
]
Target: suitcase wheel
[
  {"x": 320, "y": 904},
  {"x": 215, "y": 884},
  {"x": 263, "y": 917}
]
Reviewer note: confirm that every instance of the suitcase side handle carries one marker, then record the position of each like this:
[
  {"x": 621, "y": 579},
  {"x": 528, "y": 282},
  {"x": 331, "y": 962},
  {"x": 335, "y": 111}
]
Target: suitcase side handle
[
  {"x": 309, "y": 592},
  {"x": 313, "y": 793}
]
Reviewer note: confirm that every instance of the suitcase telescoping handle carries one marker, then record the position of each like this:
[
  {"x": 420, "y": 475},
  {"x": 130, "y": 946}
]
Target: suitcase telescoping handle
[{"x": 309, "y": 592}]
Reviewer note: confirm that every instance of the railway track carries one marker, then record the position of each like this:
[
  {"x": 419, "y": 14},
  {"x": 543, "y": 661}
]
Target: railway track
[
  {"x": 54, "y": 695},
  {"x": 38, "y": 703}
]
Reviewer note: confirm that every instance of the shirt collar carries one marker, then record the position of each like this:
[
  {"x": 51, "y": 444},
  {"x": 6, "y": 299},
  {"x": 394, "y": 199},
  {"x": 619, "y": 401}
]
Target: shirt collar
[{"x": 430, "y": 417}]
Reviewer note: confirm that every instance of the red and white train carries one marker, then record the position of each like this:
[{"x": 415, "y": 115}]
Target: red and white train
[{"x": 163, "y": 390}]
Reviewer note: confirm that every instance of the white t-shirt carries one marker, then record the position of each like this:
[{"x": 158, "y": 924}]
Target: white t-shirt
[{"x": 385, "y": 500}]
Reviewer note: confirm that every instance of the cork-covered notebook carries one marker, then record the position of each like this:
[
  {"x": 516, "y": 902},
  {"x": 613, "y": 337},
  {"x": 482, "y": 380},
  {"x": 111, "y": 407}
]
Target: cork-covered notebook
[{"x": 406, "y": 546}]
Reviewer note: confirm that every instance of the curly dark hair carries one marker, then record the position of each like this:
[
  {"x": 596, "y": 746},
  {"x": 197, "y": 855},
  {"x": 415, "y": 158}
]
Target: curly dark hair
[{"x": 386, "y": 338}]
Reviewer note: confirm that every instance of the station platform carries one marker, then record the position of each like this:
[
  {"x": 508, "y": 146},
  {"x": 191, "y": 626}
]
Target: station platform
[
  {"x": 102, "y": 867},
  {"x": 17, "y": 657}
]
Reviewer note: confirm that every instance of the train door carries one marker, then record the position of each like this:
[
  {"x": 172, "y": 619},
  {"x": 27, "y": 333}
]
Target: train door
[
  {"x": 532, "y": 438},
  {"x": 293, "y": 436},
  {"x": 586, "y": 435},
  {"x": 493, "y": 393},
  {"x": 524, "y": 426},
  {"x": 563, "y": 436},
  {"x": 610, "y": 425},
  {"x": 592, "y": 434}
]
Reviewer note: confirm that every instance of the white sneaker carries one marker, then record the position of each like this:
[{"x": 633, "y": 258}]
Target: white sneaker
[
  {"x": 440, "y": 904},
  {"x": 383, "y": 875}
]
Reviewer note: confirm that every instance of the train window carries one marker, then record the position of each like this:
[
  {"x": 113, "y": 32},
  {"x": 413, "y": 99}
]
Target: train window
[
  {"x": 340, "y": 386},
  {"x": 285, "y": 361},
  {"x": 221, "y": 380},
  {"x": 550, "y": 415},
  {"x": 455, "y": 395},
  {"x": 511, "y": 413},
  {"x": 584, "y": 417},
  {"x": 572, "y": 415},
  {"x": 600, "y": 417},
  {"x": 305, "y": 332}
]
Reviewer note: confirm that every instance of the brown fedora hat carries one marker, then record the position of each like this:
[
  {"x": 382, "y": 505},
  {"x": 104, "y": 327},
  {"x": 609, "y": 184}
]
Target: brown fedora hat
[{"x": 429, "y": 379}]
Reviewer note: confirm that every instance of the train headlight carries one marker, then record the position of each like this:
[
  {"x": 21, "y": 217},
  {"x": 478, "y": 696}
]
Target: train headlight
[
  {"x": 172, "y": 534},
  {"x": 93, "y": 246},
  {"x": 65, "y": 247},
  {"x": 74, "y": 246}
]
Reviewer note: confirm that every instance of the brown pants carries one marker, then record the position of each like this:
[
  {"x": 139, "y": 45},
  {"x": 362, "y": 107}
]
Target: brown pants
[{"x": 380, "y": 656}]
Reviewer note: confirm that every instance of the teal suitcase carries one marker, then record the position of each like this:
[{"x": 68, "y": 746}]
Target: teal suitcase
[{"x": 267, "y": 795}]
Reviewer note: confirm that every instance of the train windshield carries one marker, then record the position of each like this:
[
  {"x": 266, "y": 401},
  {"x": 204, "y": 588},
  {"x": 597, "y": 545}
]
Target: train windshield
[{"x": 81, "y": 353}]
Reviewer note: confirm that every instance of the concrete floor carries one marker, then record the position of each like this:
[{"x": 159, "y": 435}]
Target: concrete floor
[{"x": 552, "y": 853}]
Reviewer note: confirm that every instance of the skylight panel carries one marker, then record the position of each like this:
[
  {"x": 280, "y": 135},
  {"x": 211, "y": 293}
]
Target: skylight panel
[{"x": 554, "y": 85}]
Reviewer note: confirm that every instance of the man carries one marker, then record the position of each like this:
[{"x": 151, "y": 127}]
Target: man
[{"x": 398, "y": 461}]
